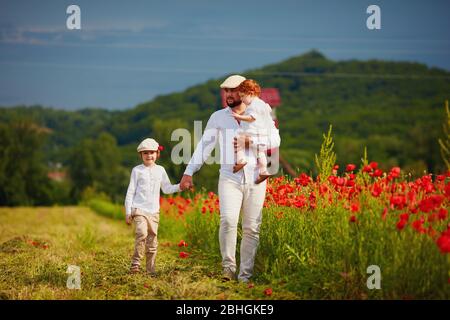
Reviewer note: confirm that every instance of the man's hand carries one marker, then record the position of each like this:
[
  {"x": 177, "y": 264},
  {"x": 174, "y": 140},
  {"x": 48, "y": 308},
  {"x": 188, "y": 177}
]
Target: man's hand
[
  {"x": 186, "y": 182},
  {"x": 128, "y": 219},
  {"x": 243, "y": 140}
]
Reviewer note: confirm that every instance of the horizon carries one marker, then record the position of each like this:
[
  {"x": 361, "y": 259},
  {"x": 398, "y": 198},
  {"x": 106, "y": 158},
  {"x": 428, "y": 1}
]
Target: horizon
[
  {"x": 125, "y": 55},
  {"x": 200, "y": 83}
]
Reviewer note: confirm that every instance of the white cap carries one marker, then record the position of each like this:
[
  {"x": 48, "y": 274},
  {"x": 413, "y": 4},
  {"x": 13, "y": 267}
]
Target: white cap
[
  {"x": 232, "y": 81},
  {"x": 148, "y": 144}
]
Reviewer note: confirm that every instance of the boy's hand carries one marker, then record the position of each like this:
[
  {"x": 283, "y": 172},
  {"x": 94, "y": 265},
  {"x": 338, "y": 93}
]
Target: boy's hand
[
  {"x": 186, "y": 182},
  {"x": 128, "y": 219}
]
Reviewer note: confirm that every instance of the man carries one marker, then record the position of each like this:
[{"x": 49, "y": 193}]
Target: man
[{"x": 236, "y": 190}]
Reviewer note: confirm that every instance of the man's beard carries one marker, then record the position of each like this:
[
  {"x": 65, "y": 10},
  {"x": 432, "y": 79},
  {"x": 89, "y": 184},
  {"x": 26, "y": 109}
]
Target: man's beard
[{"x": 235, "y": 103}]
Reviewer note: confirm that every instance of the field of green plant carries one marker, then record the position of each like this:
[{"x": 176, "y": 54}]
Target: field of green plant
[{"x": 358, "y": 234}]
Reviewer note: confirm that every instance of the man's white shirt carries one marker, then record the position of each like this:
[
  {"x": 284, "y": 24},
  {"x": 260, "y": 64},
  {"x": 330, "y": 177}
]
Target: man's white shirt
[
  {"x": 222, "y": 127},
  {"x": 144, "y": 188}
]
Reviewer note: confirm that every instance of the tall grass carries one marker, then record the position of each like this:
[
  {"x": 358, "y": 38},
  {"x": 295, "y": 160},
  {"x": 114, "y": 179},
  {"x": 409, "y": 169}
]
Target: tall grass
[{"x": 321, "y": 253}]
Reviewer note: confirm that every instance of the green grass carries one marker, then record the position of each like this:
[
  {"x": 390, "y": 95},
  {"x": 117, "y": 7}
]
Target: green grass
[
  {"x": 304, "y": 255},
  {"x": 102, "y": 248}
]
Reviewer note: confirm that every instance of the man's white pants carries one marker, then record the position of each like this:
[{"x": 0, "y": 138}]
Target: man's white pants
[{"x": 232, "y": 197}]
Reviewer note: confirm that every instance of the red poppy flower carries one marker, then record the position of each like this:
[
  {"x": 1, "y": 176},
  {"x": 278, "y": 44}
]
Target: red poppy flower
[
  {"x": 350, "y": 167},
  {"x": 182, "y": 243},
  {"x": 268, "y": 292},
  {"x": 303, "y": 180},
  {"x": 418, "y": 225},
  {"x": 376, "y": 190},
  {"x": 395, "y": 172},
  {"x": 353, "y": 219},
  {"x": 373, "y": 165},
  {"x": 398, "y": 201},
  {"x": 447, "y": 190},
  {"x": 401, "y": 224},
  {"x": 377, "y": 173},
  {"x": 383, "y": 215},
  {"x": 184, "y": 255},
  {"x": 160, "y": 148},
  {"x": 444, "y": 243},
  {"x": 354, "y": 207},
  {"x": 442, "y": 214}
]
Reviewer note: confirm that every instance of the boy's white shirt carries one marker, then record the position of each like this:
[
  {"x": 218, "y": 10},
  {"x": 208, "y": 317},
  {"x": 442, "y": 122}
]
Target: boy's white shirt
[{"x": 144, "y": 188}]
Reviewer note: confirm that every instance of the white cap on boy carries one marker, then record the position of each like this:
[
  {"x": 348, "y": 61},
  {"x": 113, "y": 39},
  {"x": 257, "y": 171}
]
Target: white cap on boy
[{"x": 148, "y": 144}]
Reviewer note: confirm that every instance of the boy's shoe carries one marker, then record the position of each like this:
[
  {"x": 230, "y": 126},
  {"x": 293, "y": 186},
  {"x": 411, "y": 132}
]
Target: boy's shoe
[
  {"x": 238, "y": 166},
  {"x": 134, "y": 269},
  {"x": 228, "y": 274},
  {"x": 153, "y": 274},
  {"x": 261, "y": 178}
]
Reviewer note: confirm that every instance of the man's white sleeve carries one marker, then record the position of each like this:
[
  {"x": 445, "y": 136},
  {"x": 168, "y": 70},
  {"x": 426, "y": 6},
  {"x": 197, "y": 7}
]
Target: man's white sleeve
[{"x": 204, "y": 147}]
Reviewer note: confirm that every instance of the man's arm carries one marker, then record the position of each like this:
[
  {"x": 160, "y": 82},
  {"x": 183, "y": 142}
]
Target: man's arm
[{"x": 201, "y": 153}]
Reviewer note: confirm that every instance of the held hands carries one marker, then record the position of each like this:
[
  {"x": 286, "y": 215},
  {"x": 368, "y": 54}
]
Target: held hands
[
  {"x": 128, "y": 219},
  {"x": 186, "y": 182}
]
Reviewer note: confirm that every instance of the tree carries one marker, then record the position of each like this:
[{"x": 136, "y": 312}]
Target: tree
[
  {"x": 96, "y": 163},
  {"x": 23, "y": 175}
]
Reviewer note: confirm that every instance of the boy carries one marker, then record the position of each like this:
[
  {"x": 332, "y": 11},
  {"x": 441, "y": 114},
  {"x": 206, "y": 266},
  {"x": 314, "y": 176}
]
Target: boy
[
  {"x": 255, "y": 123},
  {"x": 142, "y": 203}
]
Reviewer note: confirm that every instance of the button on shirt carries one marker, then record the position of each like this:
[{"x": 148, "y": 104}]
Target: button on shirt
[
  {"x": 144, "y": 188},
  {"x": 222, "y": 127}
]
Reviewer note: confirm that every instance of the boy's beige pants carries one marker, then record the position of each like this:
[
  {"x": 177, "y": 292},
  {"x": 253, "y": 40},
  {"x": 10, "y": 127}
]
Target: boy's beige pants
[{"x": 146, "y": 229}]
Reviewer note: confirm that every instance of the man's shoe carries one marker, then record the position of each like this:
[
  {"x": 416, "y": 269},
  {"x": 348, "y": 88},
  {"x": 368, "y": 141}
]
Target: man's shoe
[
  {"x": 228, "y": 274},
  {"x": 153, "y": 274},
  {"x": 244, "y": 280}
]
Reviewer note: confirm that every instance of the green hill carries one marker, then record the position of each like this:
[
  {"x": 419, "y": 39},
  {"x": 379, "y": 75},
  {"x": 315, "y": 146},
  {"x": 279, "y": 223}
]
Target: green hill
[{"x": 395, "y": 109}]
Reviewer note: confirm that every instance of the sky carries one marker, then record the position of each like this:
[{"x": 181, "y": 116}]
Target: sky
[{"x": 128, "y": 52}]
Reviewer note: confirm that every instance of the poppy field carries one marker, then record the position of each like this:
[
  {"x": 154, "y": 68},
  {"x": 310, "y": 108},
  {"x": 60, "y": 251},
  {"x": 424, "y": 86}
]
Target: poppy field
[{"x": 320, "y": 237}]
